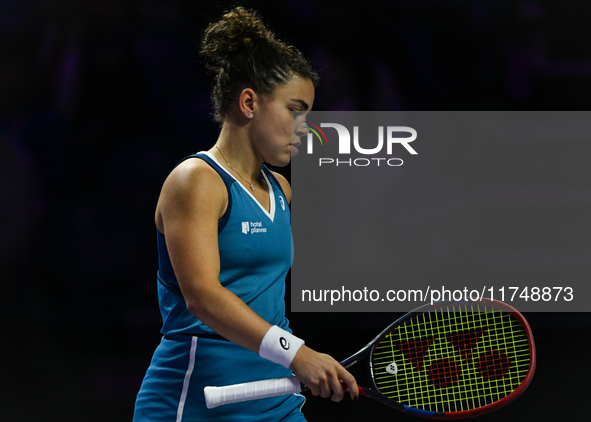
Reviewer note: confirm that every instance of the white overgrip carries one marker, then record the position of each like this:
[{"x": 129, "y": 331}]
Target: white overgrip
[{"x": 217, "y": 396}]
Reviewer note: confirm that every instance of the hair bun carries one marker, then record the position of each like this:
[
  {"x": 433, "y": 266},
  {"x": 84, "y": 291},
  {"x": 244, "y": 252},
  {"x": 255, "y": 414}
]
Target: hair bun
[
  {"x": 242, "y": 53},
  {"x": 237, "y": 33}
]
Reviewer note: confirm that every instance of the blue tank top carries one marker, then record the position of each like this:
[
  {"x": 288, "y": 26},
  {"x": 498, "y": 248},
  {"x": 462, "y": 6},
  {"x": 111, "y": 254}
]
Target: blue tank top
[{"x": 255, "y": 249}]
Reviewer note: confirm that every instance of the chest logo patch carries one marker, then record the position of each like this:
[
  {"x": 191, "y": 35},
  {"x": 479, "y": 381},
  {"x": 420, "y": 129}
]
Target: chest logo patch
[{"x": 253, "y": 227}]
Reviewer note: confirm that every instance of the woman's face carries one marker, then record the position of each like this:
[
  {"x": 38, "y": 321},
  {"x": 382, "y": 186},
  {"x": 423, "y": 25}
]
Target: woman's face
[{"x": 274, "y": 134}]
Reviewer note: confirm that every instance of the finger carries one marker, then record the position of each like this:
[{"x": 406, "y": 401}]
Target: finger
[
  {"x": 337, "y": 389},
  {"x": 314, "y": 389},
  {"x": 336, "y": 384},
  {"x": 325, "y": 390},
  {"x": 351, "y": 383},
  {"x": 338, "y": 396}
]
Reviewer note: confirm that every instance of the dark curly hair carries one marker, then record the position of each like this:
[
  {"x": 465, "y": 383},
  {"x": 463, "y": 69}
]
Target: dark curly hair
[{"x": 242, "y": 53}]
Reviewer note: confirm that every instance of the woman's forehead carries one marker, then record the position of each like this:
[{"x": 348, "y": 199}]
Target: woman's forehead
[{"x": 297, "y": 89}]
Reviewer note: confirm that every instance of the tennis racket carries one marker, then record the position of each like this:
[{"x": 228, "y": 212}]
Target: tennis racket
[{"x": 448, "y": 360}]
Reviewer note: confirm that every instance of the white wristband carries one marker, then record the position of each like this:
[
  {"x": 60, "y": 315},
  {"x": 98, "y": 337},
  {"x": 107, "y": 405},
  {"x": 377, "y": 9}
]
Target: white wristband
[{"x": 279, "y": 346}]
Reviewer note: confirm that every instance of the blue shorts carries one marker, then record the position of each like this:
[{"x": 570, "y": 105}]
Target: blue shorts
[{"x": 172, "y": 389}]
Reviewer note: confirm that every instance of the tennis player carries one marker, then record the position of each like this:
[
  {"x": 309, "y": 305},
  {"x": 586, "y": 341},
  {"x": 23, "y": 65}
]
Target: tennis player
[{"x": 225, "y": 246}]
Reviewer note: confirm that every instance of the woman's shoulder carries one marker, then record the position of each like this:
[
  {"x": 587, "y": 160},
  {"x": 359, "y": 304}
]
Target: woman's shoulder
[
  {"x": 192, "y": 171},
  {"x": 193, "y": 182}
]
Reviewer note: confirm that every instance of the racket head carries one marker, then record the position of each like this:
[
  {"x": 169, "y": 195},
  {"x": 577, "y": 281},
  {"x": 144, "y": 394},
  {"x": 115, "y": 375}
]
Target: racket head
[{"x": 452, "y": 360}]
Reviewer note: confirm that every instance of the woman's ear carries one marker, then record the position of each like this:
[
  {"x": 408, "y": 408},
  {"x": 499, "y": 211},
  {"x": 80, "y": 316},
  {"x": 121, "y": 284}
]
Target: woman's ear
[{"x": 247, "y": 101}]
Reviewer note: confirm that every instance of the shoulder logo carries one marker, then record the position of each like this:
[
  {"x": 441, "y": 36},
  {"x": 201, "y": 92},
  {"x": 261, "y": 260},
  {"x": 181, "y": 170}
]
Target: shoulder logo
[
  {"x": 282, "y": 202},
  {"x": 284, "y": 343}
]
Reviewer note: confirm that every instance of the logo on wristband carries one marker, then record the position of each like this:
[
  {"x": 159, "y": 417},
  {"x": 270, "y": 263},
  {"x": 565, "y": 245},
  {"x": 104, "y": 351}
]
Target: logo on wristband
[{"x": 284, "y": 343}]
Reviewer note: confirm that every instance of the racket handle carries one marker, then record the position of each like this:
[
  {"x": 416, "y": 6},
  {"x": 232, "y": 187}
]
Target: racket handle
[{"x": 216, "y": 396}]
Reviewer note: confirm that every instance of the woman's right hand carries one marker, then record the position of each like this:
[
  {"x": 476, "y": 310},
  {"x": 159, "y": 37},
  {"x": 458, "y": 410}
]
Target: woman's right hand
[{"x": 323, "y": 375}]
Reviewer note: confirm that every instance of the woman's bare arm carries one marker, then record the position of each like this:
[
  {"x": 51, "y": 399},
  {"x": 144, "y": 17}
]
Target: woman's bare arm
[{"x": 192, "y": 200}]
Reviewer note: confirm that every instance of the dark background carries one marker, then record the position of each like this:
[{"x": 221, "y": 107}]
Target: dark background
[{"x": 100, "y": 99}]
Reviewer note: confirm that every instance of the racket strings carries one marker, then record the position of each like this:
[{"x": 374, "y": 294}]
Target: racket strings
[{"x": 453, "y": 359}]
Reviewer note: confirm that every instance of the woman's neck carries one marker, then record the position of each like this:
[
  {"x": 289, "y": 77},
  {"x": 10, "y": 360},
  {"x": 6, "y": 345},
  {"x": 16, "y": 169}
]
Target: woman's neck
[{"x": 235, "y": 148}]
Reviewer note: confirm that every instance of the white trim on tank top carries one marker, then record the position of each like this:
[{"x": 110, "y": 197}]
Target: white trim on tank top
[{"x": 271, "y": 212}]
